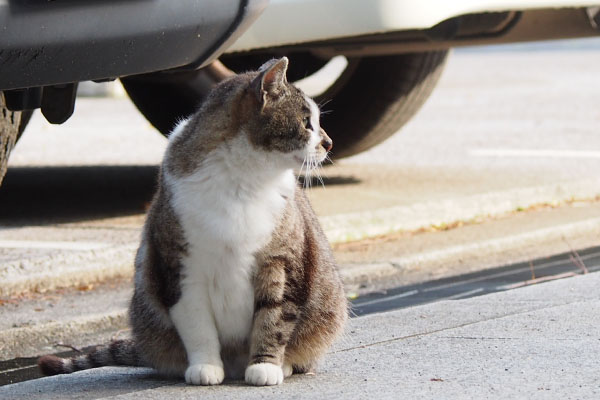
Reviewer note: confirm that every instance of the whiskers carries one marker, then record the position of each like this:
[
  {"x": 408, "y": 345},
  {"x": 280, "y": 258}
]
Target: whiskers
[
  {"x": 310, "y": 171},
  {"x": 322, "y": 105}
]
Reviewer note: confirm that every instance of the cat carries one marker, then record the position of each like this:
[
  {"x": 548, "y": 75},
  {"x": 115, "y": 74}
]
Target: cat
[{"x": 234, "y": 275}]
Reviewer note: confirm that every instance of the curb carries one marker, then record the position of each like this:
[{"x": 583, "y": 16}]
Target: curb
[
  {"x": 31, "y": 340},
  {"x": 360, "y": 273},
  {"x": 361, "y": 225},
  {"x": 68, "y": 269}
]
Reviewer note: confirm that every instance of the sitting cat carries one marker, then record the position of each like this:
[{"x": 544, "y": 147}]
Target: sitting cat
[{"x": 234, "y": 276}]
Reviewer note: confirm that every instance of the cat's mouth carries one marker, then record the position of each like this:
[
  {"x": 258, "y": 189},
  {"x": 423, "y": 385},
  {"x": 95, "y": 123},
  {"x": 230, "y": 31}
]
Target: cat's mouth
[
  {"x": 310, "y": 159},
  {"x": 310, "y": 162}
]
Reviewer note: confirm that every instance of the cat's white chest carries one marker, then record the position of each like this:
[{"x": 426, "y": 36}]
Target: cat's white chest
[{"x": 224, "y": 226}]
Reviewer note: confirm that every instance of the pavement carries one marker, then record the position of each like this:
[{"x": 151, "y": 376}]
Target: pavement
[
  {"x": 393, "y": 217},
  {"x": 538, "y": 342}
]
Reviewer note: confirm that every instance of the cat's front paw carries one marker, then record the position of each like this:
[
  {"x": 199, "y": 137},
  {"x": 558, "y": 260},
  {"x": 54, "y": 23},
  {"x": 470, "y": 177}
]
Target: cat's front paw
[
  {"x": 204, "y": 374},
  {"x": 264, "y": 374}
]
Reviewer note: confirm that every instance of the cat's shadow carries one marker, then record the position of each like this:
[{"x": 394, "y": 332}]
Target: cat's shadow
[
  {"x": 49, "y": 195},
  {"x": 108, "y": 382}
]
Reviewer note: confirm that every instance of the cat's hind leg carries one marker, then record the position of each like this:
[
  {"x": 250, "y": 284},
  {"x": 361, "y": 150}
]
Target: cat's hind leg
[
  {"x": 323, "y": 319},
  {"x": 288, "y": 370}
]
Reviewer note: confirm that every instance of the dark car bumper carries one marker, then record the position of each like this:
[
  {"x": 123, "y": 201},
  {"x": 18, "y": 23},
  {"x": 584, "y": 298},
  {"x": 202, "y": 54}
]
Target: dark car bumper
[{"x": 45, "y": 43}]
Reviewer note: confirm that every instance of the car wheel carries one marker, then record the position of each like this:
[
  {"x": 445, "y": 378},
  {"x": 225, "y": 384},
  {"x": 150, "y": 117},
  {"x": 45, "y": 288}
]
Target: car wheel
[
  {"x": 370, "y": 100},
  {"x": 378, "y": 98},
  {"x": 12, "y": 125}
]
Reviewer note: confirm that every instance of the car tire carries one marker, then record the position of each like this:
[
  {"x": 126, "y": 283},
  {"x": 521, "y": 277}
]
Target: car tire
[
  {"x": 370, "y": 101},
  {"x": 12, "y": 125},
  {"x": 380, "y": 96}
]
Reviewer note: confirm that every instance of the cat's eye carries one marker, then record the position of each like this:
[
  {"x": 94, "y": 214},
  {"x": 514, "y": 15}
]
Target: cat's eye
[{"x": 306, "y": 123}]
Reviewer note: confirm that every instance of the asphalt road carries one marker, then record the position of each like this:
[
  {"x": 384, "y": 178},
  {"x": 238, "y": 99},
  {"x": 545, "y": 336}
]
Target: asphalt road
[{"x": 527, "y": 110}]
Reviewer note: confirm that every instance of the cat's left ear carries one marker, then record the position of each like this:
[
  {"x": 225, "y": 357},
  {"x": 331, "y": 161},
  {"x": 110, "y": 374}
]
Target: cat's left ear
[{"x": 270, "y": 83}]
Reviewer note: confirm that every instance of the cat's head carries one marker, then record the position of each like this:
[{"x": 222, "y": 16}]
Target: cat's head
[
  {"x": 282, "y": 119},
  {"x": 260, "y": 117}
]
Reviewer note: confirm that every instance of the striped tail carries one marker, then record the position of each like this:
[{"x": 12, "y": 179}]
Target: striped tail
[{"x": 119, "y": 352}]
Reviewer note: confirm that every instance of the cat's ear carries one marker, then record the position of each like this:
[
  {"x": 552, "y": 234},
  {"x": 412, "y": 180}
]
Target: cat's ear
[{"x": 271, "y": 81}]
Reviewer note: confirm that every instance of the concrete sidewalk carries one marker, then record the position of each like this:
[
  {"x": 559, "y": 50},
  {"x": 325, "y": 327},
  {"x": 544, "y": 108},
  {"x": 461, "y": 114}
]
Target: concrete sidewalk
[{"x": 538, "y": 342}]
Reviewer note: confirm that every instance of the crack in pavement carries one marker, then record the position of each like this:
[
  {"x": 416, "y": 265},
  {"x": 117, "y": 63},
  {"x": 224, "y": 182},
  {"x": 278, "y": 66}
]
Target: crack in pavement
[{"x": 421, "y": 334}]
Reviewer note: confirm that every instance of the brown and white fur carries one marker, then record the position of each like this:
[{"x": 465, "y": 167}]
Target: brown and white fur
[{"x": 234, "y": 276}]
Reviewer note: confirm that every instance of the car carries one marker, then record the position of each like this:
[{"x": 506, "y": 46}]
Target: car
[{"x": 389, "y": 54}]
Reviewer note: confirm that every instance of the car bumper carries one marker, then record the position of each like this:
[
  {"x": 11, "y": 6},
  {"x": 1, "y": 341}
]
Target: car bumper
[
  {"x": 293, "y": 22},
  {"x": 49, "y": 43}
]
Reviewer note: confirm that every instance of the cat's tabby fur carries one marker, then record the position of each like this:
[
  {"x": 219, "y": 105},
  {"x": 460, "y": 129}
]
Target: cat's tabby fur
[{"x": 233, "y": 275}]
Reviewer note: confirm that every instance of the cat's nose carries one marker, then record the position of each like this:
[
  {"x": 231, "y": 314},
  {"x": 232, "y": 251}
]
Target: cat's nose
[
  {"x": 326, "y": 141},
  {"x": 327, "y": 144}
]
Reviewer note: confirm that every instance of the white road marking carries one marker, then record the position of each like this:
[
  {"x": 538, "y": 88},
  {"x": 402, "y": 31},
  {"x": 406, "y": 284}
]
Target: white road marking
[
  {"x": 43, "y": 244},
  {"x": 530, "y": 153},
  {"x": 386, "y": 299},
  {"x": 485, "y": 277},
  {"x": 536, "y": 281},
  {"x": 464, "y": 294}
]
